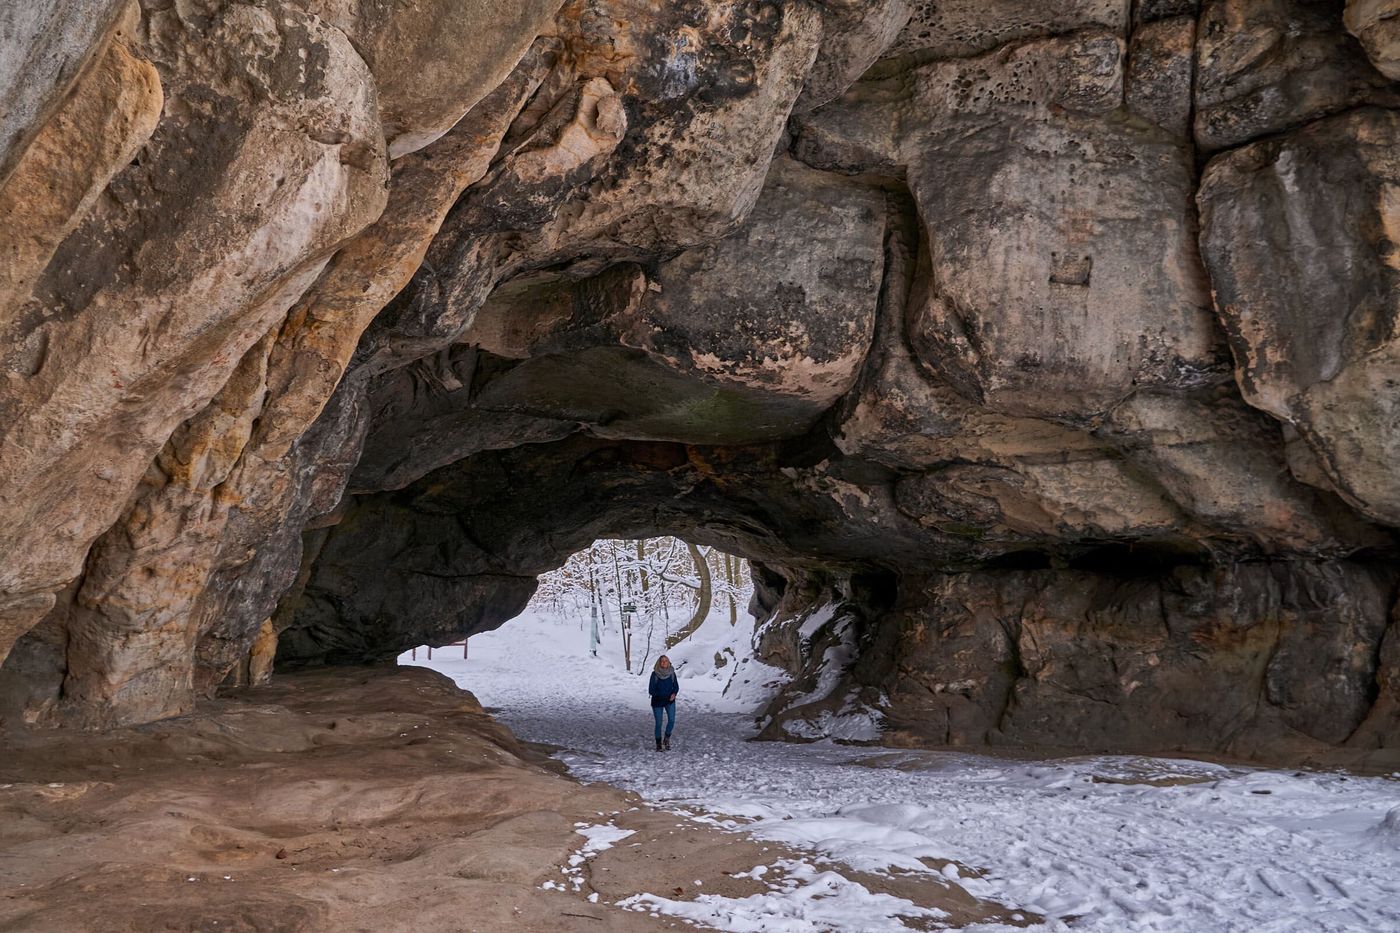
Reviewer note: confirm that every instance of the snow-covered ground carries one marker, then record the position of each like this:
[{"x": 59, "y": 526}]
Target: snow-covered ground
[{"x": 1108, "y": 844}]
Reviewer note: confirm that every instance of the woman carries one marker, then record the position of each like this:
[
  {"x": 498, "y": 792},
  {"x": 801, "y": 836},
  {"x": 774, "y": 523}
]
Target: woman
[{"x": 663, "y": 689}]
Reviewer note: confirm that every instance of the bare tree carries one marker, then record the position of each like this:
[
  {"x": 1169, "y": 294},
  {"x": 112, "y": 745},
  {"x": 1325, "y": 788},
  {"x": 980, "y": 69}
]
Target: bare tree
[
  {"x": 652, "y": 575},
  {"x": 704, "y": 590},
  {"x": 731, "y": 575}
]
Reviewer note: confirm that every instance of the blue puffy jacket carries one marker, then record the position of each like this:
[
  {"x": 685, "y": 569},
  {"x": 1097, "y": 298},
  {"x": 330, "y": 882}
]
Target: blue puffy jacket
[{"x": 661, "y": 690}]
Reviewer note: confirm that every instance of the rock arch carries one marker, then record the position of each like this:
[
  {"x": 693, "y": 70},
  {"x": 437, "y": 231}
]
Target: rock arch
[{"x": 1057, "y": 350}]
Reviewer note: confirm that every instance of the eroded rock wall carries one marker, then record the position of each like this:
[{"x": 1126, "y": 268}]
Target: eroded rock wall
[
  {"x": 1051, "y": 344},
  {"x": 1117, "y": 652}
]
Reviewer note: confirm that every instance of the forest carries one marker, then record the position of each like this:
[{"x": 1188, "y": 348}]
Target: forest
[{"x": 651, "y": 593}]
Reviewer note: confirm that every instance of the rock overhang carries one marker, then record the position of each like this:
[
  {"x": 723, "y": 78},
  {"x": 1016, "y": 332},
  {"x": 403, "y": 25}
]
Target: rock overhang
[{"x": 903, "y": 291}]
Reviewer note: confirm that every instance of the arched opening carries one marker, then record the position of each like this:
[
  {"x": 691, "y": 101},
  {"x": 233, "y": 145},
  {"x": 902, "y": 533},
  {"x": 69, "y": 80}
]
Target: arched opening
[
  {"x": 654, "y": 593},
  {"x": 572, "y": 670},
  {"x": 618, "y": 605},
  {"x": 1041, "y": 358}
]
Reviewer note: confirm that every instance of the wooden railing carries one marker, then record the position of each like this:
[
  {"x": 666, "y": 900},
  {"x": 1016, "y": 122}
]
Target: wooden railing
[{"x": 414, "y": 652}]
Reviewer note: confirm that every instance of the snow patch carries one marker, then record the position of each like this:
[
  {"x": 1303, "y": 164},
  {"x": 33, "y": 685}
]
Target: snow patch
[
  {"x": 805, "y": 900},
  {"x": 1099, "y": 844},
  {"x": 720, "y": 656},
  {"x": 853, "y": 722},
  {"x": 600, "y": 838},
  {"x": 814, "y": 622},
  {"x": 597, "y": 838},
  {"x": 1386, "y": 834}
]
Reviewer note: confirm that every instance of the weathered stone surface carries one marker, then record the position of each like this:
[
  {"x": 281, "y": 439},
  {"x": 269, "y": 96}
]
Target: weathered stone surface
[
  {"x": 704, "y": 349},
  {"x": 326, "y": 326},
  {"x": 265, "y": 481},
  {"x": 432, "y": 62},
  {"x": 712, "y": 347},
  {"x": 1161, "y": 59},
  {"x": 1374, "y": 23},
  {"x": 1381, "y": 729},
  {"x": 306, "y": 443},
  {"x": 1297, "y": 233},
  {"x": 428, "y": 415},
  {"x": 1094, "y": 289},
  {"x": 699, "y": 149},
  {"x": 854, "y": 35},
  {"x": 1147, "y": 11},
  {"x": 194, "y": 253},
  {"x": 1280, "y": 634},
  {"x": 1184, "y": 658},
  {"x": 692, "y": 154},
  {"x": 130, "y": 644},
  {"x": 1221, "y": 463},
  {"x": 1091, "y": 496},
  {"x": 44, "y": 47},
  {"x": 1268, "y": 65},
  {"x": 109, "y": 115},
  {"x": 1059, "y": 267},
  {"x": 961, "y": 28}
]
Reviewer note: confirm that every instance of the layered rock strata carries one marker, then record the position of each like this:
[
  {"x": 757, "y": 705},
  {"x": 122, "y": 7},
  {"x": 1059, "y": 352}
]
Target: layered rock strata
[{"x": 1042, "y": 353}]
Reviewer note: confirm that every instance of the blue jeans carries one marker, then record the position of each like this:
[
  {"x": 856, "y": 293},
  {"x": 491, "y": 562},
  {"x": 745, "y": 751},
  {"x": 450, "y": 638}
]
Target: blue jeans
[{"x": 670, "y": 710}]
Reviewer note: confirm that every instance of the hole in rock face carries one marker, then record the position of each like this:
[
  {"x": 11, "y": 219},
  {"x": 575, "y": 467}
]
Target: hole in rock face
[
  {"x": 876, "y": 590},
  {"x": 628, "y": 602},
  {"x": 597, "y": 626},
  {"x": 649, "y": 594},
  {"x": 1138, "y": 559},
  {"x": 1021, "y": 560},
  {"x": 459, "y": 550}
]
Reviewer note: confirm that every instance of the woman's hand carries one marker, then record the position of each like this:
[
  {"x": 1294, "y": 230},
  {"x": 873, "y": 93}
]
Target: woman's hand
[{"x": 672, "y": 699}]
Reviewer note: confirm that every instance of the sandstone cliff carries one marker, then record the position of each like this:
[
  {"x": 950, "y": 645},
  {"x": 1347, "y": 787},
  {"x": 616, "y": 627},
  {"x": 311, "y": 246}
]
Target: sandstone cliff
[{"x": 1054, "y": 344}]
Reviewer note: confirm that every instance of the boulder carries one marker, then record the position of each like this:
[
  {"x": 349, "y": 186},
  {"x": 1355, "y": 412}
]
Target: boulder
[
  {"x": 1264, "y": 66},
  {"x": 1374, "y": 23},
  {"x": 1305, "y": 284}
]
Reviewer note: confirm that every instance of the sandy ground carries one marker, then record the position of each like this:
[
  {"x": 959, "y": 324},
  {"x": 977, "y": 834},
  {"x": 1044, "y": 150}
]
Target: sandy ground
[{"x": 377, "y": 799}]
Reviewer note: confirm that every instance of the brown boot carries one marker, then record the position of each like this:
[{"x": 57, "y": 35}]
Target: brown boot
[
  {"x": 658, "y": 745},
  {"x": 666, "y": 743}
]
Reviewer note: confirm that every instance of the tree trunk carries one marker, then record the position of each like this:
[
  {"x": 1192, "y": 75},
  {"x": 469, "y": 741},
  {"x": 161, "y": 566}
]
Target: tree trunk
[
  {"x": 624, "y": 623},
  {"x": 702, "y": 599},
  {"x": 731, "y": 573}
]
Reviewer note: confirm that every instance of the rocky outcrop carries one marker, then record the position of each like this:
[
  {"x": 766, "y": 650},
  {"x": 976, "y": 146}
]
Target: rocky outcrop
[
  {"x": 1118, "y": 651},
  {"x": 268, "y": 155},
  {"x": 1050, "y": 349},
  {"x": 1314, "y": 348},
  {"x": 324, "y": 801},
  {"x": 48, "y": 45},
  {"x": 1265, "y": 66},
  {"x": 1374, "y": 23}
]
